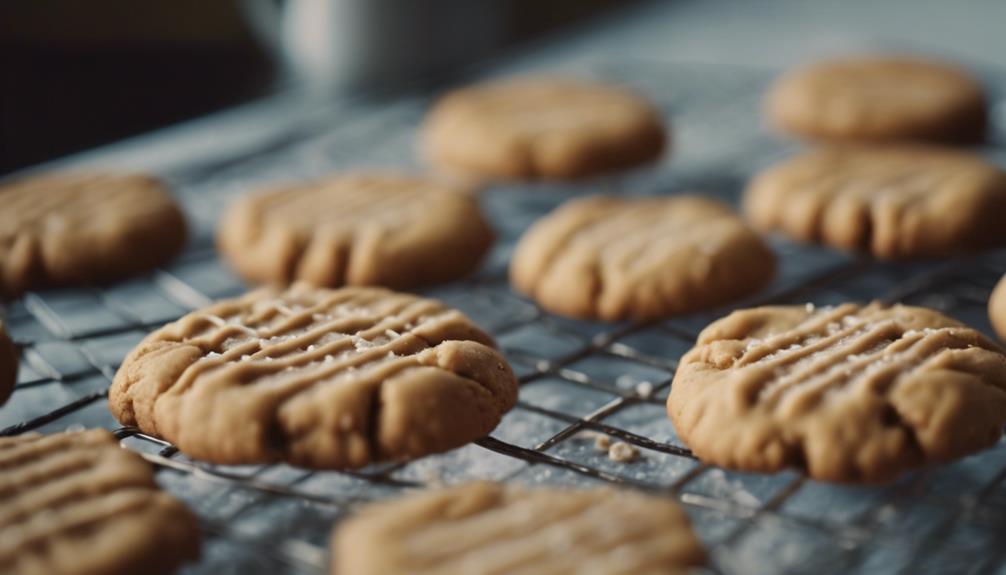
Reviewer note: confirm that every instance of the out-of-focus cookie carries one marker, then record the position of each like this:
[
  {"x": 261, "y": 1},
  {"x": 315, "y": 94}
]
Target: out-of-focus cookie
[
  {"x": 315, "y": 377},
  {"x": 547, "y": 128},
  {"x": 393, "y": 231},
  {"x": 483, "y": 528},
  {"x": 77, "y": 503},
  {"x": 875, "y": 99},
  {"x": 997, "y": 308},
  {"x": 895, "y": 202},
  {"x": 849, "y": 394},
  {"x": 8, "y": 365},
  {"x": 613, "y": 258},
  {"x": 81, "y": 228}
]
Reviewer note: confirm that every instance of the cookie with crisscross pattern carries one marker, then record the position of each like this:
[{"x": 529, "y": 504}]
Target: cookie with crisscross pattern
[
  {"x": 77, "y": 503},
  {"x": 849, "y": 393},
  {"x": 316, "y": 377}
]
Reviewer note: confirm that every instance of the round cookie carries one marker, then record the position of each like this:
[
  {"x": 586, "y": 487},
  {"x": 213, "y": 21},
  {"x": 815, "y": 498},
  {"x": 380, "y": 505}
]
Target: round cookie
[
  {"x": 997, "y": 308},
  {"x": 874, "y": 99},
  {"x": 393, "y": 231},
  {"x": 549, "y": 128},
  {"x": 327, "y": 379},
  {"x": 490, "y": 528},
  {"x": 80, "y": 228},
  {"x": 77, "y": 503},
  {"x": 8, "y": 365},
  {"x": 849, "y": 394},
  {"x": 613, "y": 258},
  {"x": 896, "y": 202}
]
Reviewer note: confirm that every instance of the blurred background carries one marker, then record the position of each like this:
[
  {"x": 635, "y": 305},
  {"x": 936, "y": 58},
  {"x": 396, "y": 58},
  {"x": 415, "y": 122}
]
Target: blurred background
[{"x": 79, "y": 74}]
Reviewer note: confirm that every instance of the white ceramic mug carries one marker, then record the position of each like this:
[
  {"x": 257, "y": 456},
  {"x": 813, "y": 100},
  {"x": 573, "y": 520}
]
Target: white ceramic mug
[{"x": 375, "y": 44}]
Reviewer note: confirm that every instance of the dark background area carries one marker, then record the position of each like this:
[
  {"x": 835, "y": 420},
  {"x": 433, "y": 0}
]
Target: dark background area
[{"x": 78, "y": 74}]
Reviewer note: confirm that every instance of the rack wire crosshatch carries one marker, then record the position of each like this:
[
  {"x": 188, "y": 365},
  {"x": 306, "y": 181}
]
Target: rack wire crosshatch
[{"x": 575, "y": 376}]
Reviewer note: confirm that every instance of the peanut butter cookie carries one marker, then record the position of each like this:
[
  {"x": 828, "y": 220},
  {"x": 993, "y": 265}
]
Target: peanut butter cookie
[
  {"x": 894, "y": 202},
  {"x": 393, "y": 231},
  {"x": 876, "y": 98},
  {"x": 997, "y": 308},
  {"x": 849, "y": 394},
  {"x": 486, "y": 528},
  {"x": 8, "y": 365},
  {"x": 319, "y": 378},
  {"x": 77, "y": 503},
  {"x": 549, "y": 128},
  {"x": 614, "y": 258},
  {"x": 82, "y": 228}
]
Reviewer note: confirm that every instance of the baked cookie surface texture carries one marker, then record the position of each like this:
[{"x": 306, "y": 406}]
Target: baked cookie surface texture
[
  {"x": 548, "y": 128},
  {"x": 848, "y": 394},
  {"x": 78, "y": 504},
  {"x": 875, "y": 99},
  {"x": 612, "y": 258},
  {"x": 491, "y": 529},
  {"x": 318, "y": 378},
  {"x": 83, "y": 228},
  {"x": 893, "y": 202},
  {"x": 389, "y": 230}
]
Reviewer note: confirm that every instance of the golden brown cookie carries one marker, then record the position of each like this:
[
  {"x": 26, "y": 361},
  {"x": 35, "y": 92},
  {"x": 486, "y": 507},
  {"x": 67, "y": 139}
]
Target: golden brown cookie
[
  {"x": 393, "y": 231},
  {"x": 8, "y": 365},
  {"x": 850, "y": 394},
  {"x": 80, "y": 228},
  {"x": 997, "y": 308},
  {"x": 874, "y": 98},
  {"x": 641, "y": 258},
  {"x": 319, "y": 378},
  {"x": 546, "y": 128},
  {"x": 486, "y": 528},
  {"x": 77, "y": 503},
  {"x": 895, "y": 202}
]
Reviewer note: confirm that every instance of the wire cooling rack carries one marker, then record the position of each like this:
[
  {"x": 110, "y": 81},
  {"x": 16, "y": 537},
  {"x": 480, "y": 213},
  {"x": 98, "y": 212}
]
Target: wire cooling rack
[{"x": 576, "y": 376}]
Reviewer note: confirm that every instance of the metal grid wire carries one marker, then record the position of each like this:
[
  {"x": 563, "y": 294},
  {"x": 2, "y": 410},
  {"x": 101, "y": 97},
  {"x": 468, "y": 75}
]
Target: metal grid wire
[{"x": 575, "y": 376}]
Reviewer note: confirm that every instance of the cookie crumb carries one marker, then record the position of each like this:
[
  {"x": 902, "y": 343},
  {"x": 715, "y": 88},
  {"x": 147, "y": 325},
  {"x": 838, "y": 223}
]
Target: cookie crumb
[
  {"x": 644, "y": 389},
  {"x": 622, "y": 452},
  {"x": 601, "y": 441}
]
